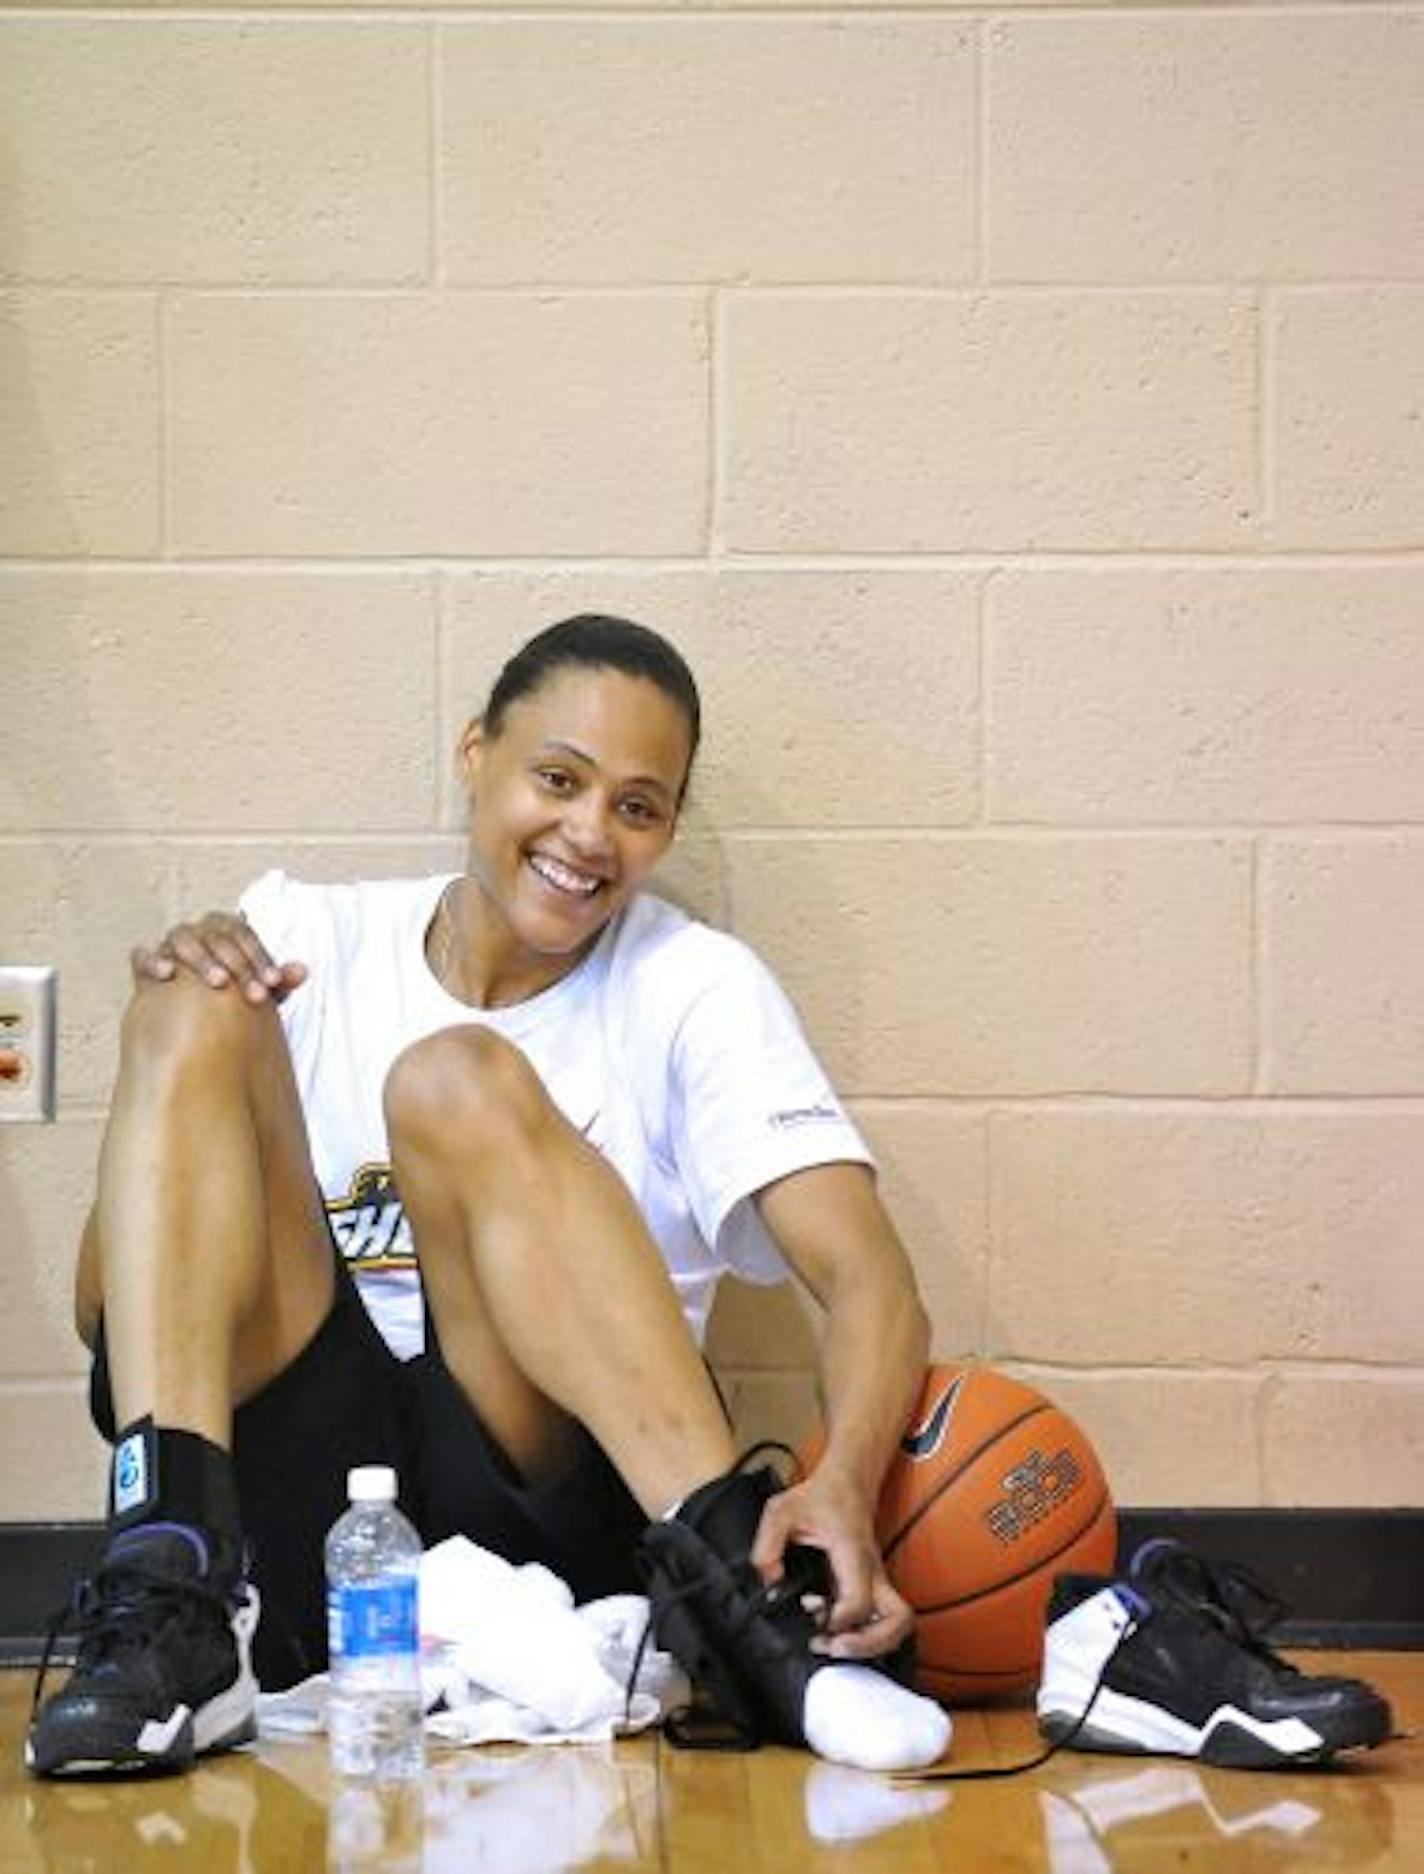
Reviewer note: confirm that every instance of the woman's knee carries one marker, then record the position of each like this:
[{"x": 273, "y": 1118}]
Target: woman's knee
[
  {"x": 184, "y": 1024},
  {"x": 467, "y": 1089}
]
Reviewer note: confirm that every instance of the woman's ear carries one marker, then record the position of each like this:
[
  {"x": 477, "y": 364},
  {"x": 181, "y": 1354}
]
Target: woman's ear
[{"x": 469, "y": 753}]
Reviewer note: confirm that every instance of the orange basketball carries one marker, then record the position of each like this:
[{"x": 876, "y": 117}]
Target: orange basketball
[{"x": 993, "y": 1492}]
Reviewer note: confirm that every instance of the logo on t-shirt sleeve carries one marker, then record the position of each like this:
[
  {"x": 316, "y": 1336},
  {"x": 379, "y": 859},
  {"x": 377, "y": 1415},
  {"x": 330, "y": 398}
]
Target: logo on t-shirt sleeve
[{"x": 817, "y": 1113}]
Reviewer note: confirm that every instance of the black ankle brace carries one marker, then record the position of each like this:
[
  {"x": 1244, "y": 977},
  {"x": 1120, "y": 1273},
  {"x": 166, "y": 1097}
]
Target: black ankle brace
[{"x": 160, "y": 1472}]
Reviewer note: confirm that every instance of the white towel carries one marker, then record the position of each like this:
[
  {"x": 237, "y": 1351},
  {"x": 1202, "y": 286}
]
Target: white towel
[{"x": 506, "y": 1657}]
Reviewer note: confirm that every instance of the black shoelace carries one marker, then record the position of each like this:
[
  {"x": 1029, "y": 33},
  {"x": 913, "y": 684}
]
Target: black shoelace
[
  {"x": 1228, "y": 1590},
  {"x": 122, "y": 1608},
  {"x": 1225, "y": 1595},
  {"x": 990, "y": 1772},
  {"x": 700, "y": 1725}
]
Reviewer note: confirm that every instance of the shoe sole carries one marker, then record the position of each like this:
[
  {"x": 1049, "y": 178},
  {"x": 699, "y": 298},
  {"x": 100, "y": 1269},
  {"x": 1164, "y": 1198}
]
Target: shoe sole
[
  {"x": 1230, "y": 1737},
  {"x": 163, "y": 1745}
]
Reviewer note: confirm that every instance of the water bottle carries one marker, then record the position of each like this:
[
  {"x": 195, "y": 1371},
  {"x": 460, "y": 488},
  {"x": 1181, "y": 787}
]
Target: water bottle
[{"x": 375, "y": 1721}]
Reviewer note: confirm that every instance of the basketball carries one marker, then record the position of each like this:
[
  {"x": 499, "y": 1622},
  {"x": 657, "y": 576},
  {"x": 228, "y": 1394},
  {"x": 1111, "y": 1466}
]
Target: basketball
[{"x": 993, "y": 1492}]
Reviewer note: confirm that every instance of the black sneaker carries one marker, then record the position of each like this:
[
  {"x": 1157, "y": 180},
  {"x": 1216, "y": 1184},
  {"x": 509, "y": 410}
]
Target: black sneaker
[
  {"x": 745, "y": 1644},
  {"x": 163, "y": 1671},
  {"x": 1176, "y": 1652}
]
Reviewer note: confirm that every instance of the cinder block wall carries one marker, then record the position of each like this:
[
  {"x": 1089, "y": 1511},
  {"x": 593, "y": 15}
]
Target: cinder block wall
[{"x": 1014, "y": 410}]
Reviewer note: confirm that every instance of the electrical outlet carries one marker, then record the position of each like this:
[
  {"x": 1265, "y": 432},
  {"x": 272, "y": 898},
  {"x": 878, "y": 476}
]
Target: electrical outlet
[{"x": 28, "y": 1004}]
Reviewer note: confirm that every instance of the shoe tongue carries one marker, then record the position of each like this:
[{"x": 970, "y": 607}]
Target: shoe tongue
[
  {"x": 176, "y": 1548},
  {"x": 1220, "y": 1592},
  {"x": 727, "y": 1511},
  {"x": 1167, "y": 1574}
]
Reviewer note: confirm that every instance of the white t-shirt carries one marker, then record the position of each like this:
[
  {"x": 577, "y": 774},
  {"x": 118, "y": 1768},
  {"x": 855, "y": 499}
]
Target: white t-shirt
[{"x": 670, "y": 1047}]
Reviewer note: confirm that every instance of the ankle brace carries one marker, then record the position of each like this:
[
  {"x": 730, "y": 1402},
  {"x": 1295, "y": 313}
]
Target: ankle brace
[{"x": 160, "y": 1472}]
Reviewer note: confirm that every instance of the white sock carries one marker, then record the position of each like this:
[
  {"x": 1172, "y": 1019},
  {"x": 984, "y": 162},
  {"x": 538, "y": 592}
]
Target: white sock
[{"x": 856, "y": 1715}]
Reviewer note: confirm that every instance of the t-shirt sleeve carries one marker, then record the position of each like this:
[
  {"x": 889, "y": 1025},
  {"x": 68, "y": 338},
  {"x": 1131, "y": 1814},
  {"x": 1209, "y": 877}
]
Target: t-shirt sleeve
[
  {"x": 270, "y": 904},
  {"x": 750, "y": 1104},
  {"x": 285, "y": 914}
]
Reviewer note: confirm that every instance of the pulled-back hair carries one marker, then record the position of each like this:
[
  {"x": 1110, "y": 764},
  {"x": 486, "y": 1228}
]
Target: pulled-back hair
[{"x": 593, "y": 641}]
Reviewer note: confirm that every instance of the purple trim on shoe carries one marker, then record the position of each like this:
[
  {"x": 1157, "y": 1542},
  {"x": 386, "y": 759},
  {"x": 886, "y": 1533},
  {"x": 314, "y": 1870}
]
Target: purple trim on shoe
[
  {"x": 132, "y": 1538},
  {"x": 1136, "y": 1604}
]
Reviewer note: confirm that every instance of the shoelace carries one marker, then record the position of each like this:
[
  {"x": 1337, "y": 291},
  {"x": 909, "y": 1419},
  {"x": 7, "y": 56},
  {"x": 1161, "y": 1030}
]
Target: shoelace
[
  {"x": 689, "y": 1725},
  {"x": 120, "y": 1609},
  {"x": 697, "y": 1725},
  {"x": 1225, "y": 1594},
  {"x": 990, "y": 1772},
  {"x": 686, "y": 1725},
  {"x": 701, "y": 1726}
]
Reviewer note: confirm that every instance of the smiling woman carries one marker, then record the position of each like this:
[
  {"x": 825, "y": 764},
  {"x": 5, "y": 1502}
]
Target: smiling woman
[{"x": 443, "y": 1173}]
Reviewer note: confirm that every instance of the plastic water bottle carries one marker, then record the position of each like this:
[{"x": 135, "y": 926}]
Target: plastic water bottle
[{"x": 374, "y": 1716}]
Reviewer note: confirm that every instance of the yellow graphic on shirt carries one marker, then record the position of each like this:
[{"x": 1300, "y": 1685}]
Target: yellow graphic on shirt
[{"x": 368, "y": 1223}]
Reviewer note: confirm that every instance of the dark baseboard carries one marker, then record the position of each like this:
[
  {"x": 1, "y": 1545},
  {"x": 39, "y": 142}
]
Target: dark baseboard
[
  {"x": 1352, "y": 1578},
  {"x": 39, "y": 1564},
  {"x": 1349, "y": 1577}
]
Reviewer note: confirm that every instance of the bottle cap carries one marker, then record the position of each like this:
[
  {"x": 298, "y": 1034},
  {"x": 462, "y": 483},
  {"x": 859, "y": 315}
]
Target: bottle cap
[{"x": 371, "y": 1483}]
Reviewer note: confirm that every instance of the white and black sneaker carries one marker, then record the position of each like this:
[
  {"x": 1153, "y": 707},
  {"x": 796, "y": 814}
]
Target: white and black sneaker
[
  {"x": 163, "y": 1671},
  {"x": 1170, "y": 1658}
]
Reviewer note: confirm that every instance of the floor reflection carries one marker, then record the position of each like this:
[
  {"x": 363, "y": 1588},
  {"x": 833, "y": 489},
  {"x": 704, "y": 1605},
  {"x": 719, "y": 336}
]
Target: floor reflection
[
  {"x": 539, "y": 1811},
  {"x": 235, "y": 1816},
  {"x": 557, "y": 1810},
  {"x": 853, "y": 1805},
  {"x": 1162, "y": 1811},
  {"x": 376, "y": 1826},
  {"x": 543, "y": 1811}
]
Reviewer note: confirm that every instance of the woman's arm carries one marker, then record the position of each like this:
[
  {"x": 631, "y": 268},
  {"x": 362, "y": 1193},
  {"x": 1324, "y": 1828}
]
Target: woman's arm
[{"x": 835, "y": 1233}]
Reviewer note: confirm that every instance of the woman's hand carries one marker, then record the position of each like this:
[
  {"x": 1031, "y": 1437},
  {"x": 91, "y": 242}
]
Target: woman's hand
[
  {"x": 223, "y": 950},
  {"x": 867, "y": 1616}
]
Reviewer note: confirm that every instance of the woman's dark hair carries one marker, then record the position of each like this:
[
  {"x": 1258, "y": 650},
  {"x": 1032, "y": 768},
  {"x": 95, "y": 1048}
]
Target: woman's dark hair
[{"x": 596, "y": 642}]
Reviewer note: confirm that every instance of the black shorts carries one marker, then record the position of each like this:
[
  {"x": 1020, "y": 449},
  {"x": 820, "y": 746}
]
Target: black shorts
[{"x": 345, "y": 1400}]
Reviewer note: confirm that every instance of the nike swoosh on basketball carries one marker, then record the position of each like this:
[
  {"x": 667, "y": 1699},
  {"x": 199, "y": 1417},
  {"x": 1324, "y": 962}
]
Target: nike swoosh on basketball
[{"x": 924, "y": 1440}]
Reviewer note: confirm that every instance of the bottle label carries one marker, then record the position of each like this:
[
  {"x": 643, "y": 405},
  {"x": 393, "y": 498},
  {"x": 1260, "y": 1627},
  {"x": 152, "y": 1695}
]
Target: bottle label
[{"x": 372, "y": 1619}]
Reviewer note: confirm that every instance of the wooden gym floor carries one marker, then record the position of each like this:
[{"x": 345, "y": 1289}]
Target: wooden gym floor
[{"x": 640, "y": 1806}]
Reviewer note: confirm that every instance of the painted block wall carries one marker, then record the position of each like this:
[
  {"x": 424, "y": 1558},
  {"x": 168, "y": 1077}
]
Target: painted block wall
[{"x": 1017, "y": 414}]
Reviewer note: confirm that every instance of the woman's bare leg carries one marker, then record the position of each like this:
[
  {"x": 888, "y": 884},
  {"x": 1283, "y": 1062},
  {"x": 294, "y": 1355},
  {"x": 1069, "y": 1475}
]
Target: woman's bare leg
[
  {"x": 550, "y": 1298},
  {"x": 207, "y": 1258},
  {"x": 207, "y": 1248}
]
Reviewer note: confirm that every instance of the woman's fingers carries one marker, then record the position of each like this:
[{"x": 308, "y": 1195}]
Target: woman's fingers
[{"x": 224, "y": 951}]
